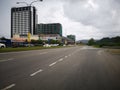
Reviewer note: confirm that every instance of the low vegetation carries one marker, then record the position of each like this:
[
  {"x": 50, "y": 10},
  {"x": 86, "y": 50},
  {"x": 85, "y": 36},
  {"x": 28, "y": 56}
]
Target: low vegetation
[
  {"x": 26, "y": 48},
  {"x": 113, "y": 51},
  {"x": 106, "y": 42}
]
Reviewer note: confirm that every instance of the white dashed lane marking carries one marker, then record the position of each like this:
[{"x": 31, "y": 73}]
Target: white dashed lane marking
[
  {"x": 33, "y": 74},
  {"x": 52, "y": 64},
  {"x": 60, "y": 59},
  {"x": 8, "y": 87}
]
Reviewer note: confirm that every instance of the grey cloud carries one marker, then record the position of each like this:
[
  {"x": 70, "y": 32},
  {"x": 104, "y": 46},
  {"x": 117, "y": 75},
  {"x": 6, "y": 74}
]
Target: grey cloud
[{"x": 102, "y": 14}]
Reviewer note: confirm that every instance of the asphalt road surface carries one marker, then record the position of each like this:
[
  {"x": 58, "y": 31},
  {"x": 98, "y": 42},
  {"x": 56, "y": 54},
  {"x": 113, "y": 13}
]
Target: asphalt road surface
[{"x": 73, "y": 68}]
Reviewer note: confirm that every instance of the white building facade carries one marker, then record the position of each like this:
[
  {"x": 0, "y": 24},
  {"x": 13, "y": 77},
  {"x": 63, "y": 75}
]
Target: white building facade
[{"x": 23, "y": 20}]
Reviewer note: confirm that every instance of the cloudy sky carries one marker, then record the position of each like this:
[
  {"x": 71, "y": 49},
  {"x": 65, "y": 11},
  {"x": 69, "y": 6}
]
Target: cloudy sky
[{"x": 84, "y": 18}]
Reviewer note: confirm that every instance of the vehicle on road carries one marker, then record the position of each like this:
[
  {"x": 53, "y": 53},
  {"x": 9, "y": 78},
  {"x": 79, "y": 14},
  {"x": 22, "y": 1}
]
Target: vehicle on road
[
  {"x": 2, "y": 45},
  {"x": 54, "y": 44},
  {"x": 47, "y": 45}
]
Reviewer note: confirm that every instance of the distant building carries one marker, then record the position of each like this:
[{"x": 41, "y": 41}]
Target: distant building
[
  {"x": 23, "y": 20},
  {"x": 67, "y": 41},
  {"x": 72, "y": 37},
  {"x": 53, "y": 28}
]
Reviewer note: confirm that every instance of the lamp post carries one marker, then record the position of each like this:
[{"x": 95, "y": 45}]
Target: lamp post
[
  {"x": 30, "y": 3},
  {"x": 22, "y": 2}
]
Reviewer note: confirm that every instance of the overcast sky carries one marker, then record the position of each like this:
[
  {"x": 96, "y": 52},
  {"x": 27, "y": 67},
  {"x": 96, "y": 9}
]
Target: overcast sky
[{"x": 84, "y": 18}]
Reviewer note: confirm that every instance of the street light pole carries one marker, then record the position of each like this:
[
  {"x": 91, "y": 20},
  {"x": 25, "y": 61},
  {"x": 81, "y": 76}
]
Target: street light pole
[
  {"x": 35, "y": 1},
  {"x": 30, "y": 3},
  {"x": 23, "y": 2}
]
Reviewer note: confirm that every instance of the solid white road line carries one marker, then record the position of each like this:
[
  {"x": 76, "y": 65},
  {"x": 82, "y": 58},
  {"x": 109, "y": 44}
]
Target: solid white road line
[
  {"x": 33, "y": 74},
  {"x": 60, "y": 60},
  {"x": 8, "y": 87},
  {"x": 7, "y": 60},
  {"x": 52, "y": 64},
  {"x": 43, "y": 53}
]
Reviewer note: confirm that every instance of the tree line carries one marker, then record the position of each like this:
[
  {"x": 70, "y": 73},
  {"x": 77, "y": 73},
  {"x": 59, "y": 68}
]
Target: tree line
[
  {"x": 51, "y": 41},
  {"x": 114, "y": 41}
]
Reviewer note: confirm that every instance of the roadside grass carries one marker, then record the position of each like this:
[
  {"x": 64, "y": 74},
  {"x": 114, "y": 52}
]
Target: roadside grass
[
  {"x": 18, "y": 49},
  {"x": 96, "y": 46},
  {"x": 109, "y": 49},
  {"x": 113, "y": 51},
  {"x": 2, "y": 50}
]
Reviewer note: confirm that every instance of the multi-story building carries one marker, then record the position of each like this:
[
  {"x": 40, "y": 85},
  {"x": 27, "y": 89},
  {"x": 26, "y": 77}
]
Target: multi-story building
[
  {"x": 53, "y": 28},
  {"x": 67, "y": 41},
  {"x": 23, "y": 20},
  {"x": 72, "y": 37}
]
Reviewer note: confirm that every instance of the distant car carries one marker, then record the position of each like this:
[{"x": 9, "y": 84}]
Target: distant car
[
  {"x": 46, "y": 45},
  {"x": 2, "y": 45},
  {"x": 64, "y": 45},
  {"x": 54, "y": 44}
]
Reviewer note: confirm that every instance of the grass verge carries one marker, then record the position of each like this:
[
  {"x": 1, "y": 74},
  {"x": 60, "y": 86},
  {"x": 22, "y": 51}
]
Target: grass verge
[
  {"x": 113, "y": 51},
  {"x": 25, "y": 48}
]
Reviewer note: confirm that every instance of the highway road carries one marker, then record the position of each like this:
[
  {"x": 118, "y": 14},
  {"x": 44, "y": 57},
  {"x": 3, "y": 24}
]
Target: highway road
[{"x": 73, "y": 68}]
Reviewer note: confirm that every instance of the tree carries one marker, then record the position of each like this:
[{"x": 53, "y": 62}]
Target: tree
[
  {"x": 33, "y": 41},
  {"x": 3, "y": 38},
  {"x": 40, "y": 41},
  {"x": 106, "y": 41},
  {"x": 91, "y": 42}
]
